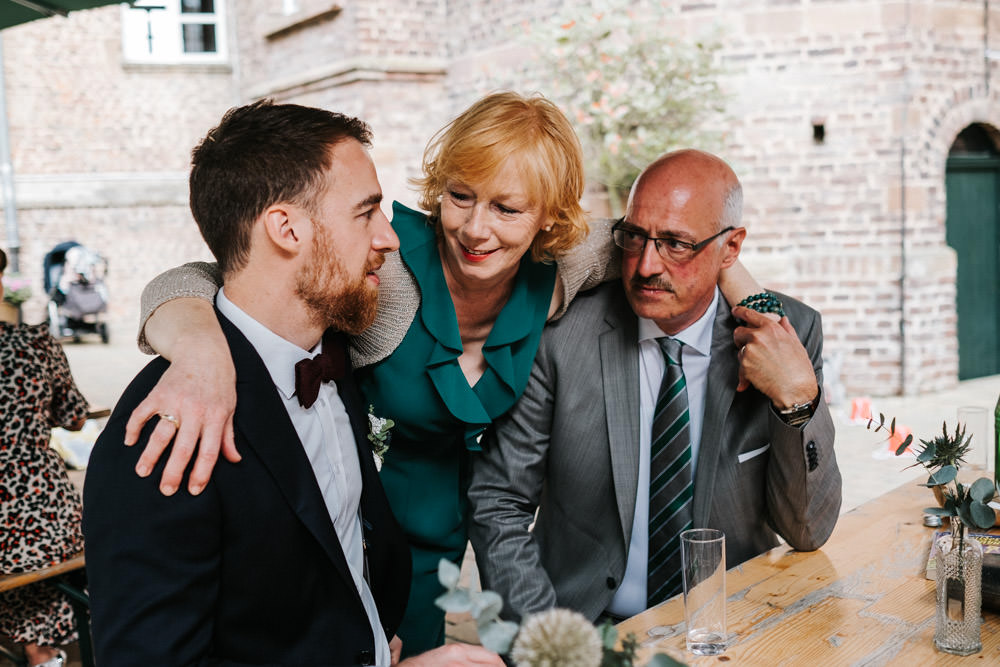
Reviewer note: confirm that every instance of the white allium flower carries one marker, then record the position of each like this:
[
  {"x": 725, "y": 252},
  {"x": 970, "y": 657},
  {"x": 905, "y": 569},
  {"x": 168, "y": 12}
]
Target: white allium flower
[{"x": 557, "y": 638}]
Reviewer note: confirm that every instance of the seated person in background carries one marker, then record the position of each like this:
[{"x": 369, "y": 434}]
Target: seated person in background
[
  {"x": 290, "y": 556},
  {"x": 642, "y": 418},
  {"x": 39, "y": 506},
  {"x": 5, "y": 316}
]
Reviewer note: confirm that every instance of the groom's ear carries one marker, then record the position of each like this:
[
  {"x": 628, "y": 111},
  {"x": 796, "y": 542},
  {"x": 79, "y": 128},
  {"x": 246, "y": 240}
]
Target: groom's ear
[{"x": 287, "y": 227}]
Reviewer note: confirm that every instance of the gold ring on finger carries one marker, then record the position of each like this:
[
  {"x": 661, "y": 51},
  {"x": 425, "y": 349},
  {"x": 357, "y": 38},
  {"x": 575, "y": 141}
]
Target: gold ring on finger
[{"x": 173, "y": 420}]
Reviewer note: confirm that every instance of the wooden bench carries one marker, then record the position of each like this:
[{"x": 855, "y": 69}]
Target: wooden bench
[{"x": 67, "y": 578}]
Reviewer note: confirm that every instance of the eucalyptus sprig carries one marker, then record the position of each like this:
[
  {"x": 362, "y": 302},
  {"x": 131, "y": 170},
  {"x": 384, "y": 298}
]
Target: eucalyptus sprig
[
  {"x": 485, "y": 606},
  {"x": 890, "y": 429}
]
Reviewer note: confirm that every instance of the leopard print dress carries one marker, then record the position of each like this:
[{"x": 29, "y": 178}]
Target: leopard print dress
[{"x": 39, "y": 506}]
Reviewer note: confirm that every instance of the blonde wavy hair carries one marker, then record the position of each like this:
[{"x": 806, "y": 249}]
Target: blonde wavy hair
[{"x": 474, "y": 147}]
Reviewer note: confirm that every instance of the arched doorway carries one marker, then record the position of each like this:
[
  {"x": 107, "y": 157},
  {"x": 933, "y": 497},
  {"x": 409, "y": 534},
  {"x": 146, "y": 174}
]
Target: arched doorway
[{"x": 972, "y": 183}]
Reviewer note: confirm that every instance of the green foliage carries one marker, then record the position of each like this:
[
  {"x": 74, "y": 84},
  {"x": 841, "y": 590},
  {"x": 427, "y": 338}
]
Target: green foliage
[
  {"x": 945, "y": 450},
  {"x": 942, "y": 457},
  {"x": 626, "y": 656},
  {"x": 890, "y": 429},
  {"x": 631, "y": 85},
  {"x": 16, "y": 290},
  {"x": 498, "y": 636},
  {"x": 663, "y": 660},
  {"x": 379, "y": 434},
  {"x": 614, "y": 658},
  {"x": 485, "y": 607}
]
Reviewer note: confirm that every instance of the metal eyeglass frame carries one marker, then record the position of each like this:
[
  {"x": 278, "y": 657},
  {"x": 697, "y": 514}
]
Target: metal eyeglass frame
[{"x": 690, "y": 249}]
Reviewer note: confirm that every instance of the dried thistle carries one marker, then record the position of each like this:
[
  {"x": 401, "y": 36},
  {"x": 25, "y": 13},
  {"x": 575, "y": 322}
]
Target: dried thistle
[
  {"x": 945, "y": 450},
  {"x": 557, "y": 638}
]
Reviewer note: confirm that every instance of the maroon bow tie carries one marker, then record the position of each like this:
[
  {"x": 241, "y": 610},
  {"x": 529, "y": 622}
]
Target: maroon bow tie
[{"x": 330, "y": 364}]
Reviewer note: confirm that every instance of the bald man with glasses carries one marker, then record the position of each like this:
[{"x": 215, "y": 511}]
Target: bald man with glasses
[{"x": 655, "y": 406}]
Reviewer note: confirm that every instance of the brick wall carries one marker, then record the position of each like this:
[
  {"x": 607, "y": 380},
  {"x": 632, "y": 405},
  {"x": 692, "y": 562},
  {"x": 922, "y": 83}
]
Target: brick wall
[
  {"x": 100, "y": 150},
  {"x": 836, "y": 223},
  {"x": 138, "y": 242}
]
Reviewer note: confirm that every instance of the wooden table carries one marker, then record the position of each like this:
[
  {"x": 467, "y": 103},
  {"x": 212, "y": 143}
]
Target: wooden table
[
  {"x": 74, "y": 590},
  {"x": 860, "y": 600},
  {"x": 98, "y": 413},
  {"x": 12, "y": 581}
]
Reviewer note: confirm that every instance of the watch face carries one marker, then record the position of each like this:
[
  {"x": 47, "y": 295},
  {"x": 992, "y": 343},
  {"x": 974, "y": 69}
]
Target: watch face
[{"x": 797, "y": 414}]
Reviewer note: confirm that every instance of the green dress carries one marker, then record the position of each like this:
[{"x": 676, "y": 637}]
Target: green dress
[{"x": 439, "y": 417}]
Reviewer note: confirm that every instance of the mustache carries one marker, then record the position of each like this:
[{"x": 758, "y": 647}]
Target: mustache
[
  {"x": 377, "y": 264},
  {"x": 652, "y": 282}
]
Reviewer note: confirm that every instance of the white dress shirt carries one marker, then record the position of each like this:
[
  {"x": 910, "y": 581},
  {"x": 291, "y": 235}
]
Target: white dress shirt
[
  {"x": 328, "y": 440},
  {"x": 696, "y": 354}
]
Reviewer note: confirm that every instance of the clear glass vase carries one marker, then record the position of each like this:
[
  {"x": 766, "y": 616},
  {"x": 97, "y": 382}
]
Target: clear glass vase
[{"x": 959, "y": 593}]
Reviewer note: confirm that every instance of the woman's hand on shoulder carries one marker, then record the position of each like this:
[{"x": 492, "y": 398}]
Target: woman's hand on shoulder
[
  {"x": 198, "y": 394},
  {"x": 737, "y": 283}
]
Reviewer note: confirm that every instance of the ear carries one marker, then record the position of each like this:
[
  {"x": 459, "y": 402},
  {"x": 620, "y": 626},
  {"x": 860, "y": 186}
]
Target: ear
[
  {"x": 732, "y": 247},
  {"x": 287, "y": 227}
]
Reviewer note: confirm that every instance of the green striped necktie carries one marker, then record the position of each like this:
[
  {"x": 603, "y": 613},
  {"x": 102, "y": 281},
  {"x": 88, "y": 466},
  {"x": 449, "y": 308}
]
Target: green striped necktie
[{"x": 670, "y": 484}]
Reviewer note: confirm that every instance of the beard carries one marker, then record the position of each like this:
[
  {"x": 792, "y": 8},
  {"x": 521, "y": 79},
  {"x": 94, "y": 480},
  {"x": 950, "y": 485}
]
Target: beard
[{"x": 336, "y": 300}]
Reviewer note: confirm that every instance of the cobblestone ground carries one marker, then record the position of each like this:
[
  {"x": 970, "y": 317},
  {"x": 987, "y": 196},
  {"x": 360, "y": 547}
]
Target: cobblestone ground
[{"x": 869, "y": 470}]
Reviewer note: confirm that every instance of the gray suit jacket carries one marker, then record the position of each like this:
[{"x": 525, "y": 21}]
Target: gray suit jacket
[{"x": 569, "y": 448}]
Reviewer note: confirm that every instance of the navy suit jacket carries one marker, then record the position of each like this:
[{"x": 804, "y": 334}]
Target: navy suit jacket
[{"x": 251, "y": 570}]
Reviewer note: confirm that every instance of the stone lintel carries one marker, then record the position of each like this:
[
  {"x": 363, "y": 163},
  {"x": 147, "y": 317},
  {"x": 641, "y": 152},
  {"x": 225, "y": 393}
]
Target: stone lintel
[
  {"x": 351, "y": 70},
  {"x": 284, "y": 26},
  {"x": 101, "y": 190}
]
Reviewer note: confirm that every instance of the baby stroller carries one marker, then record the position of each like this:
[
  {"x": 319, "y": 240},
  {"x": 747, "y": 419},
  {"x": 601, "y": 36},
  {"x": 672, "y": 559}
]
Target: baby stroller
[{"x": 74, "y": 281}]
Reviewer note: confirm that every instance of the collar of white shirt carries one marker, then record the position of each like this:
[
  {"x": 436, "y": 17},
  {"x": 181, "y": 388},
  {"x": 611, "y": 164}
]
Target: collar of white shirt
[
  {"x": 278, "y": 354},
  {"x": 697, "y": 336}
]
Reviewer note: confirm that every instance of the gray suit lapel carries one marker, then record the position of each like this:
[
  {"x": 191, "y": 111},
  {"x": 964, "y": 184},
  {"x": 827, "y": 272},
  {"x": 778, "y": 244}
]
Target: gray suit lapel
[
  {"x": 719, "y": 392},
  {"x": 620, "y": 375}
]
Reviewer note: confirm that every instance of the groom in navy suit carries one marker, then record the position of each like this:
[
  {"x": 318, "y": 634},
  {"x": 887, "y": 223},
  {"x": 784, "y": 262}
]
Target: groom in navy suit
[{"x": 292, "y": 555}]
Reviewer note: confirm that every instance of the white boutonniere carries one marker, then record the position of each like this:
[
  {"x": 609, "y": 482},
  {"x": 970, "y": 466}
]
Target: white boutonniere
[{"x": 379, "y": 435}]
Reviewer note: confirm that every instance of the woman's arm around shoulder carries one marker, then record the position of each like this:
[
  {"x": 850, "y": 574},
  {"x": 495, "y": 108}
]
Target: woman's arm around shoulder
[
  {"x": 198, "y": 390},
  {"x": 585, "y": 266},
  {"x": 199, "y": 280}
]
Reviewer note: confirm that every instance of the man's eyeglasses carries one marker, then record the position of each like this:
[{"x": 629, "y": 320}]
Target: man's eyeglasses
[{"x": 672, "y": 249}]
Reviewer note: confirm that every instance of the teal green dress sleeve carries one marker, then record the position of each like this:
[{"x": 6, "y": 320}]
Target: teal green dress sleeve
[{"x": 438, "y": 417}]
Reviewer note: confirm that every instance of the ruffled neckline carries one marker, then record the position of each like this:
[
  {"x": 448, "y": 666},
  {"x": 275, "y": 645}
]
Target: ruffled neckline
[{"x": 475, "y": 406}]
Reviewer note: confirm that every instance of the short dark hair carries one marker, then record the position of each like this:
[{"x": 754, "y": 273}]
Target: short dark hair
[
  {"x": 259, "y": 155},
  {"x": 3, "y": 262}
]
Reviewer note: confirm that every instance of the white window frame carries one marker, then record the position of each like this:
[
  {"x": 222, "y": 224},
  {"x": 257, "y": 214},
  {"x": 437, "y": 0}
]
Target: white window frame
[{"x": 166, "y": 25}]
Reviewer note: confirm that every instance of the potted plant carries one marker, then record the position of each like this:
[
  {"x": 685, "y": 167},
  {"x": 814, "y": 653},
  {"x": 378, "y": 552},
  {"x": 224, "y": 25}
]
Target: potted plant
[{"x": 16, "y": 290}]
